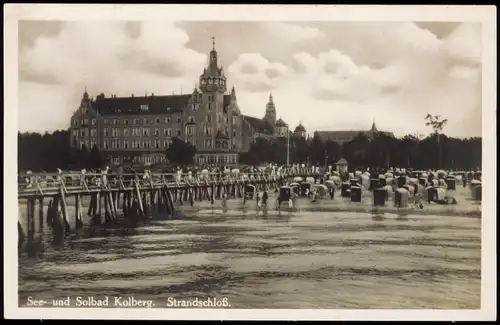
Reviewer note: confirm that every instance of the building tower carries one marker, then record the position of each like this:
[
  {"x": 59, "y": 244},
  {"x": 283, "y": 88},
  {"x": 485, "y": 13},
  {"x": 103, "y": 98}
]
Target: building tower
[
  {"x": 213, "y": 87},
  {"x": 270, "y": 116},
  {"x": 213, "y": 80}
]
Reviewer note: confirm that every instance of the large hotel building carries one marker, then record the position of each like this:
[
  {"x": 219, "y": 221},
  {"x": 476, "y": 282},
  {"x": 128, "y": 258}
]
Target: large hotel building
[{"x": 141, "y": 128}]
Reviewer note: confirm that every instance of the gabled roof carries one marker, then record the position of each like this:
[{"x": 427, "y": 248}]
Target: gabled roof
[
  {"x": 132, "y": 105},
  {"x": 260, "y": 126},
  {"x": 280, "y": 122}
]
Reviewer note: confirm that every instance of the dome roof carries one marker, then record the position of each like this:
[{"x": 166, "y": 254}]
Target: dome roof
[
  {"x": 280, "y": 122},
  {"x": 300, "y": 128}
]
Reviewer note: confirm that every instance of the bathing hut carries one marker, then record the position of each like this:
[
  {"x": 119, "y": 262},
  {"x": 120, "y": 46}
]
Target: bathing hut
[{"x": 342, "y": 166}]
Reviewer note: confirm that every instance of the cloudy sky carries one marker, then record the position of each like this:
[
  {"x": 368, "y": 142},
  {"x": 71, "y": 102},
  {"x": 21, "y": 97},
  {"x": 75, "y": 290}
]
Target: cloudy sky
[{"x": 328, "y": 75}]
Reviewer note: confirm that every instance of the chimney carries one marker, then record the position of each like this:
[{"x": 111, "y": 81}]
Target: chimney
[
  {"x": 132, "y": 95},
  {"x": 152, "y": 94}
]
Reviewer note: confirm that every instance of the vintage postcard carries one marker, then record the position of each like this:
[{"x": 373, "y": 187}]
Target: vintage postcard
[{"x": 250, "y": 162}]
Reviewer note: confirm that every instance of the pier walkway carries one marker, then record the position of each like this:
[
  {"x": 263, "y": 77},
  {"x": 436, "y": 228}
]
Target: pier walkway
[{"x": 137, "y": 195}]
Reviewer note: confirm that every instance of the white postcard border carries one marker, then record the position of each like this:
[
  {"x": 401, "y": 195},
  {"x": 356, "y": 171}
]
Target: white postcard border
[{"x": 484, "y": 14}]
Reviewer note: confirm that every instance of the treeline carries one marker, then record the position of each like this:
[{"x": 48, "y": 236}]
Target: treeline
[
  {"x": 50, "y": 151},
  {"x": 382, "y": 151}
]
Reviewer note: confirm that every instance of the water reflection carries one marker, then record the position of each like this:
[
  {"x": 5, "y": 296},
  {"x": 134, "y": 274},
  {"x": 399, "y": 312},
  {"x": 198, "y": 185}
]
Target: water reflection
[{"x": 266, "y": 259}]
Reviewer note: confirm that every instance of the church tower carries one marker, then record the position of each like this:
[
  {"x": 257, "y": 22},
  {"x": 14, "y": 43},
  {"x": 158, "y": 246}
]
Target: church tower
[{"x": 270, "y": 116}]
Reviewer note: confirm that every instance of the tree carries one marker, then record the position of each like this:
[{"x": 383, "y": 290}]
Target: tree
[
  {"x": 180, "y": 152},
  {"x": 94, "y": 158},
  {"x": 437, "y": 124}
]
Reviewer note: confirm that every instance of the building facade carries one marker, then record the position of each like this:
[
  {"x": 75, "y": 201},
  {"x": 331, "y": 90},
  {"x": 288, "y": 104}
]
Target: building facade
[
  {"x": 140, "y": 128},
  {"x": 346, "y": 136}
]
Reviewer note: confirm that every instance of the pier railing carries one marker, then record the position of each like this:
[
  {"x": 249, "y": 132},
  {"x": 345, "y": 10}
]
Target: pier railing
[{"x": 45, "y": 184}]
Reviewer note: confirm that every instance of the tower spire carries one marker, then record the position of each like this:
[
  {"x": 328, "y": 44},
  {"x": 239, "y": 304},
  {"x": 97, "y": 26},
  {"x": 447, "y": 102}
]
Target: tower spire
[
  {"x": 213, "y": 43},
  {"x": 374, "y": 128}
]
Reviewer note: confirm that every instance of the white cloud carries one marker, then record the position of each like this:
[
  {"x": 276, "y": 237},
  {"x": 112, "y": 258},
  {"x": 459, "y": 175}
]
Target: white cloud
[
  {"x": 328, "y": 75},
  {"x": 253, "y": 72},
  {"x": 102, "y": 56},
  {"x": 285, "y": 32}
]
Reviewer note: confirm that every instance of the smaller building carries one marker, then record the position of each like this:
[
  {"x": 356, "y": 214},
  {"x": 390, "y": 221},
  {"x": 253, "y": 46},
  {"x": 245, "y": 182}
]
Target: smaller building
[
  {"x": 342, "y": 166},
  {"x": 281, "y": 128},
  {"x": 346, "y": 136},
  {"x": 300, "y": 131}
]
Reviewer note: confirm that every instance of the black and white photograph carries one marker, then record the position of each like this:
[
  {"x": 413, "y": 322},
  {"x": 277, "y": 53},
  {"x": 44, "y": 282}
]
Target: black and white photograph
[{"x": 250, "y": 162}]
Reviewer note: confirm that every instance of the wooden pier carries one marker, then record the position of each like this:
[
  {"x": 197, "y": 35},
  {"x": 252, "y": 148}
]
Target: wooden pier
[{"x": 134, "y": 196}]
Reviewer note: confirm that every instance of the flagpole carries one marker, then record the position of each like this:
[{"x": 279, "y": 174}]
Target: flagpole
[{"x": 288, "y": 147}]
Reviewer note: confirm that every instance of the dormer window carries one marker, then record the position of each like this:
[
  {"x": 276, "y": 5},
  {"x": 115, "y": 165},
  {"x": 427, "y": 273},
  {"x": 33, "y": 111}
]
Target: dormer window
[{"x": 144, "y": 107}]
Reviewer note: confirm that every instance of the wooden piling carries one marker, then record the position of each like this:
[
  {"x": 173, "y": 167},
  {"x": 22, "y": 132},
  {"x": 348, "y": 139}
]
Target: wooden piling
[
  {"x": 64, "y": 208},
  {"x": 99, "y": 206},
  {"x": 107, "y": 213},
  {"x": 31, "y": 217},
  {"x": 112, "y": 207},
  {"x": 78, "y": 212},
  {"x": 139, "y": 200},
  {"x": 50, "y": 216},
  {"x": 20, "y": 233},
  {"x": 93, "y": 202},
  {"x": 40, "y": 212}
]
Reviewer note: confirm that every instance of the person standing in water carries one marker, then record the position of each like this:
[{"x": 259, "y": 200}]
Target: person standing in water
[
  {"x": 224, "y": 201},
  {"x": 264, "y": 198}
]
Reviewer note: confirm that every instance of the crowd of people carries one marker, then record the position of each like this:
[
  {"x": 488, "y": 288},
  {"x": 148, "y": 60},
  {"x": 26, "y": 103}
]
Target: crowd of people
[{"x": 117, "y": 174}]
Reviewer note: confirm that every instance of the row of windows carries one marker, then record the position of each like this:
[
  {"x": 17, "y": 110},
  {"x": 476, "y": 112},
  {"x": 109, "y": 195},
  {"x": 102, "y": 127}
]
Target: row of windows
[
  {"x": 194, "y": 107},
  {"x": 84, "y": 121},
  {"x": 137, "y": 132},
  {"x": 136, "y": 121},
  {"x": 219, "y": 159},
  {"x": 136, "y": 144},
  {"x": 140, "y": 159},
  {"x": 215, "y": 81},
  {"x": 147, "y": 121},
  {"x": 87, "y": 144}
]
